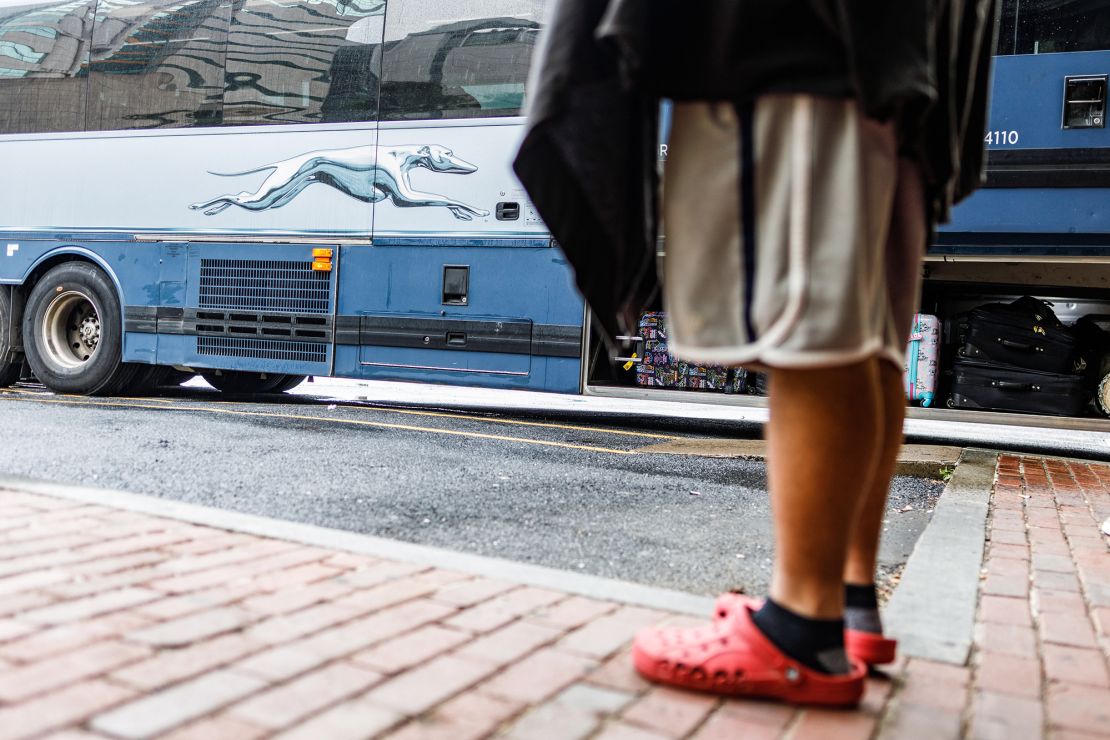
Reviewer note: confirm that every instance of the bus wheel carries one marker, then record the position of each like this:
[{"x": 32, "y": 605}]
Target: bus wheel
[
  {"x": 72, "y": 333},
  {"x": 146, "y": 380},
  {"x": 153, "y": 379},
  {"x": 9, "y": 367},
  {"x": 290, "y": 382},
  {"x": 233, "y": 381}
]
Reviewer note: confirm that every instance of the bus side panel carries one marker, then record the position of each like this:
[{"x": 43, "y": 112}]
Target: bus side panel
[
  {"x": 255, "y": 182},
  {"x": 1033, "y": 211},
  {"x": 254, "y": 307},
  {"x": 466, "y": 188},
  {"x": 1027, "y": 100},
  {"x": 520, "y": 325}
]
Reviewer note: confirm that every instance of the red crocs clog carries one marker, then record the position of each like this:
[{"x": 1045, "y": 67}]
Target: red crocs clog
[
  {"x": 869, "y": 648},
  {"x": 727, "y": 602},
  {"x": 730, "y": 656},
  {"x": 866, "y": 647}
]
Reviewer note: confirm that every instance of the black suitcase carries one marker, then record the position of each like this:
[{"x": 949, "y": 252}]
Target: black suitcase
[
  {"x": 1094, "y": 345},
  {"x": 1025, "y": 333},
  {"x": 979, "y": 385}
]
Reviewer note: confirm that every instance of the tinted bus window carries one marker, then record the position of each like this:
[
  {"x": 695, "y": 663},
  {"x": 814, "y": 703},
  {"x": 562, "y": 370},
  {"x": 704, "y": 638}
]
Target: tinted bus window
[
  {"x": 457, "y": 60},
  {"x": 1047, "y": 26},
  {"x": 284, "y": 59},
  {"x": 158, "y": 65},
  {"x": 44, "y": 54}
]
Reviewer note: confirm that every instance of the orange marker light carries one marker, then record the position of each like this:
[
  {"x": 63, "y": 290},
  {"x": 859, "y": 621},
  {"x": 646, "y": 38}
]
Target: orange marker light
[{"x": 322, "y": 265}]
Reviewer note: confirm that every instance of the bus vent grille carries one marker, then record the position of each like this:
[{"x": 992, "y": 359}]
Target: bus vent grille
[
  {"x": 264, "y": 285},
  {"x": 263, "y": 349}
]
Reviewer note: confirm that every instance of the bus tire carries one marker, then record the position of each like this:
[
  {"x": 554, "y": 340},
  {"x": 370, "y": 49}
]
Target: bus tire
[
  {"x": 153, "y": 379},
  {"x": 72, "y": 332},
  {"x": 147, "y": 380},
  {"x": 9, "y": 369},
  {"x": 235, "y": 381},
  {"x": 290, "y": 382},
  {"x": 174, "y": 378}
]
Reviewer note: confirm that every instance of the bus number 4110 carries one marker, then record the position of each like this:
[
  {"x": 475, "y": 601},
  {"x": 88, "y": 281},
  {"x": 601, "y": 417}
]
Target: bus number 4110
[{"x": 1002, "y": 138}]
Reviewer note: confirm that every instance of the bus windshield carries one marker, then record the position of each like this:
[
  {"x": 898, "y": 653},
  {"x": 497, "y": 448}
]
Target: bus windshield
[{"x": 1048, "y": 26}]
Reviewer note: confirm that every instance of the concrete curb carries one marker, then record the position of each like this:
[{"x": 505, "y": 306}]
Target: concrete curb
[
  {"x": 932, "y": 612},
  {"x": 506, "y": 570}
]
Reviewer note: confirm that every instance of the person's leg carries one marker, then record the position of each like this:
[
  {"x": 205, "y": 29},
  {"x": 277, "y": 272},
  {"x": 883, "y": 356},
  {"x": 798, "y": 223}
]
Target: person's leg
[
  {"x": 861, "y": 613},
  {"x": 903, "y": 254},
  {"x": 863, "y": 548},
  {"x": 824, "y": 436}
]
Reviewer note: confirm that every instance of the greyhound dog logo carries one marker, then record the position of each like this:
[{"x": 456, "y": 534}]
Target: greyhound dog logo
[{"x": 367, "y": 173}]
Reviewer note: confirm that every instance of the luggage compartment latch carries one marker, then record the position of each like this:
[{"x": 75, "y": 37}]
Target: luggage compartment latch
[
  {"x": 508, "y": 211},
  {"x": 1085, "y": 102},
  {"x": 456, "y": 284},
  {"x": 635, "y": 359}
]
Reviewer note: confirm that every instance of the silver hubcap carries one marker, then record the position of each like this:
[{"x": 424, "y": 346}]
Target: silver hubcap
[{"x": 71, "y": 329}]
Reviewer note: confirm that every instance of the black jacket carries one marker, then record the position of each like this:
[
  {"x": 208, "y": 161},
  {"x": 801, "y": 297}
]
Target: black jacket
[{"x": 588, "y": 158}]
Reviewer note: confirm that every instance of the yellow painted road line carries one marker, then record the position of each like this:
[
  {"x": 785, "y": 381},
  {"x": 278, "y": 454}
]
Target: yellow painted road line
[
  {"x": 24, "y": 392},
  {"x": 351, "y": 422},
  {"x": 470, "y": 417},
  {"x": 541, "y": 424},
  {"x": 75, "y": 400},
  {"x": 51, "y": 394},
  {"x": 412, "y": 412}
]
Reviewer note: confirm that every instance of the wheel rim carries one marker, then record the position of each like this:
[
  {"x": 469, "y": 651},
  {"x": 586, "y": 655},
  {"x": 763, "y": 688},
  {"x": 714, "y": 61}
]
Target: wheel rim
[{"x": 71, "y": 329}]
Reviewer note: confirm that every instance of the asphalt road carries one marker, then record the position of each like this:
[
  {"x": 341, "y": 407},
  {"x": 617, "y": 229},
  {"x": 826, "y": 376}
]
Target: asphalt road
[{"x": 567, "y": 494}]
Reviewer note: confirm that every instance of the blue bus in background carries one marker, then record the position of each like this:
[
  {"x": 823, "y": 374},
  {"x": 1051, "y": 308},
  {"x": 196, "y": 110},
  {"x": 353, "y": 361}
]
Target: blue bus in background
[
  {"x": 1041, "y": 226},
  {"x": 257, "y": 191}
]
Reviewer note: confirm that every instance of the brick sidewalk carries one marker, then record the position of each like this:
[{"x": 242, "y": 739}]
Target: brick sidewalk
[{"x": 120, "y": 624}]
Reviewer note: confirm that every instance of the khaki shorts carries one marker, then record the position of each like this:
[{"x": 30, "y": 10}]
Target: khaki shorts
[{"x": 794, "y": 235}]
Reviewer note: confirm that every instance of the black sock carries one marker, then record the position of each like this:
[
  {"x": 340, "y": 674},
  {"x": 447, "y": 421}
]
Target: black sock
[
  {"x": 816, "y": 643},
  {"x": 861, "y": 608}
]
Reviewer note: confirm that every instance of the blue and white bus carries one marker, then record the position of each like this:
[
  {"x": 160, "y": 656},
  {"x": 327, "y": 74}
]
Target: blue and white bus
[
  {"x": 262, "y": 190},
  {"x": 274, "y": 187}
]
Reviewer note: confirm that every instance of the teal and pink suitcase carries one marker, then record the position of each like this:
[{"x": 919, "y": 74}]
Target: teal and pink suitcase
[{"x": 922, "y": 355}]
